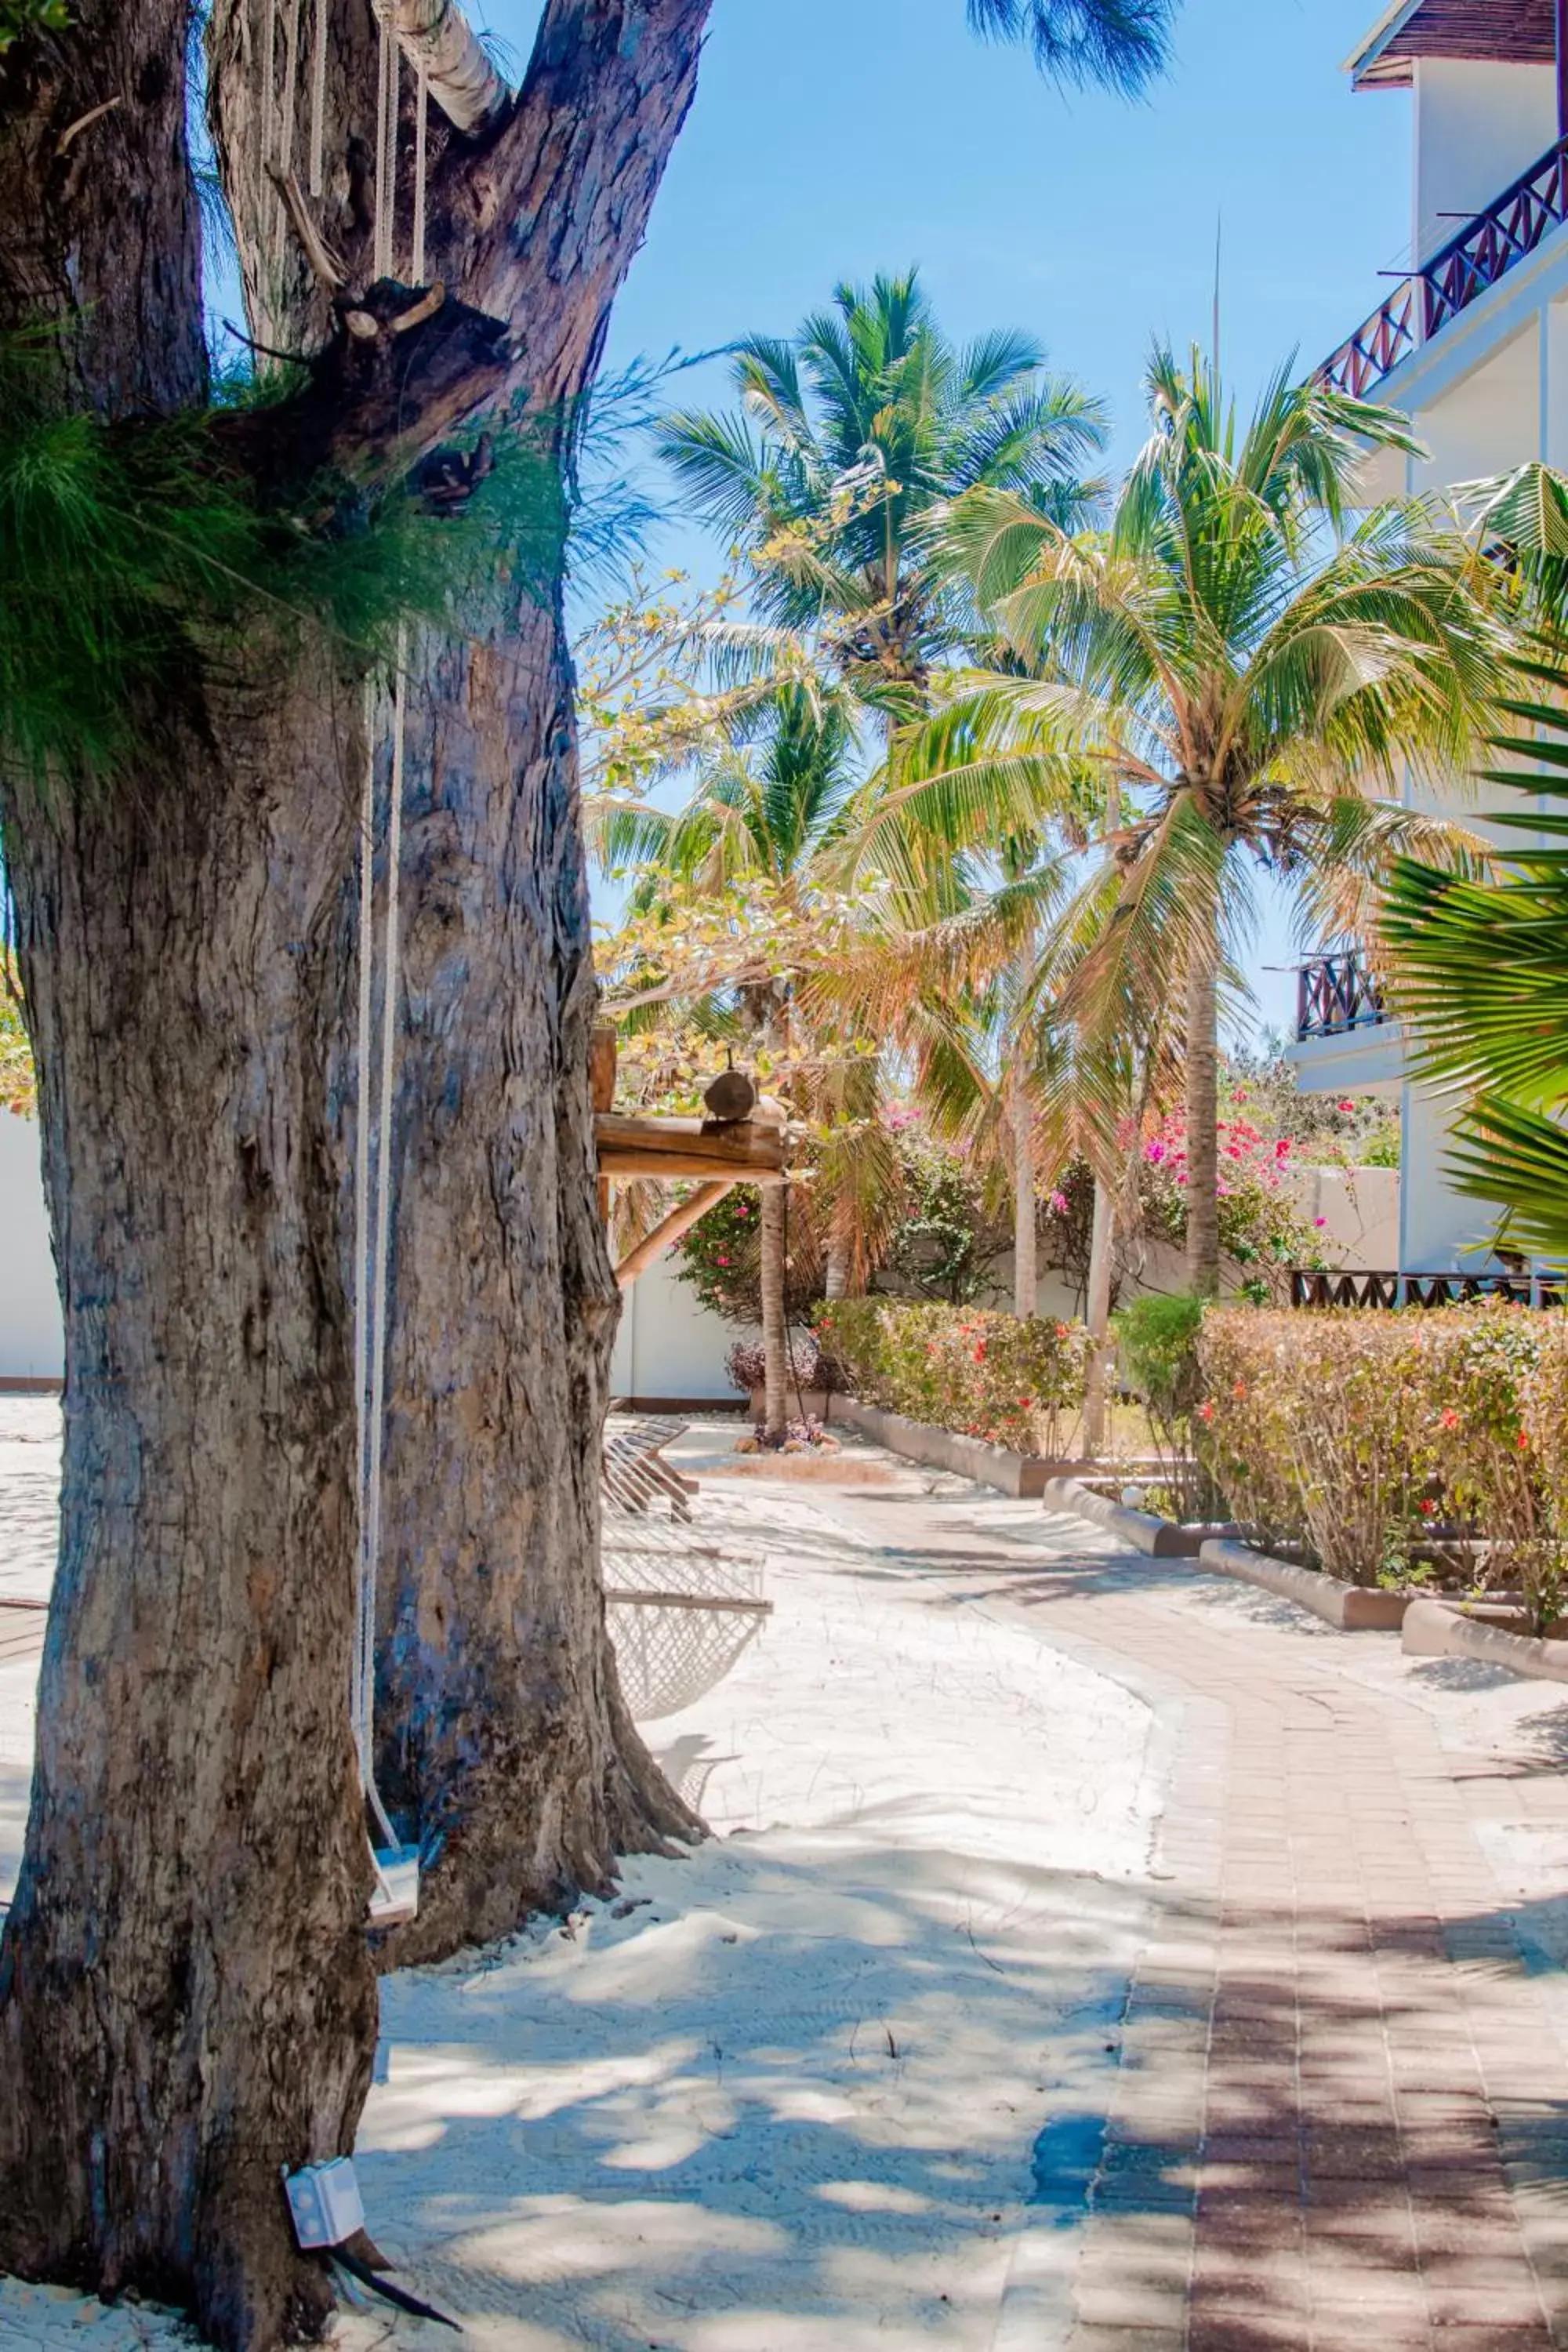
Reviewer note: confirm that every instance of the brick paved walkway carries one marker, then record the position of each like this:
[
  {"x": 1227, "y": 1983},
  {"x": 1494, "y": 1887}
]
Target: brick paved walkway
[{"x": 1339, "y": 2119}]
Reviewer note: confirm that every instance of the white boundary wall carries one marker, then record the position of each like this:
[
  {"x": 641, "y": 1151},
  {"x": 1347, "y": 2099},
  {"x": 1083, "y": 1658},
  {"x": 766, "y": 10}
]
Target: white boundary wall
[{"x": 32, "y": 1342}]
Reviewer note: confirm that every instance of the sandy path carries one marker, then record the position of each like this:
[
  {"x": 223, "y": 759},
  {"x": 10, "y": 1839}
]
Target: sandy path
[{"x": 790, "y": 2099}]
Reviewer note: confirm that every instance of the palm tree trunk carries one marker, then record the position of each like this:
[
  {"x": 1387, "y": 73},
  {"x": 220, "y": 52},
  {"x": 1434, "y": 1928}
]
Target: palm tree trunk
[
  {"x": 1026, "y": 1260},
  {"x": 1202, "y": 1121},
  {"x": 1097, "y": 1316},
  {"x": 776, "y": 1327}
]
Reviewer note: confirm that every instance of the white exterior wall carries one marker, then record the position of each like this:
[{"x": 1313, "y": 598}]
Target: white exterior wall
[
  {"x": 1488, "y": 392},
  {"x": 32, "y": 1338},
  {"x": 669, "y": 1344},
  {"x": 1478, "y": 127}
]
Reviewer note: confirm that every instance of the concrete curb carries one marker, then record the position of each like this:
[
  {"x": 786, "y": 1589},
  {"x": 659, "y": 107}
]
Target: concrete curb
[
  {"x": 1432, "y": 1630},
  {"x": 1145, "y": 1533},
  {"x": 1022, "y": 1475},
  {"x": 1348, "y": 1608}
]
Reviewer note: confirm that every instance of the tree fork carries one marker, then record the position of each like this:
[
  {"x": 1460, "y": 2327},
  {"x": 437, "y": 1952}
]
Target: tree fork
[{"x": 503, "y": 1745}]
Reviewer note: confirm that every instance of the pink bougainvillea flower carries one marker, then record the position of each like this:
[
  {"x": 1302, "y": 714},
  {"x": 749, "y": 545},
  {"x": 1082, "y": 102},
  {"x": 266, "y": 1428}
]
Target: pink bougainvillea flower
[
  {"x": 1155, "y": 1152},
  {"x": 1283, "y": 1148},
  {"x": 720, "y": 1261},
  {"x": 1319, "y": 1222},
  {"x": 1059, "y": 1205}
]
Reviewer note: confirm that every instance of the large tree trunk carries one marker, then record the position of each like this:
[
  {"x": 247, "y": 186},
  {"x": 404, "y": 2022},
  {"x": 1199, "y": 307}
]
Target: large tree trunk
[
  {"x": 1203, "y": 1129},
  {"x": 1025, "y": 1197},
  {"x": 501, "y": 1738},
  {"x": 502, "y": 1741},
  {"x": 775, "y": 1321},
  {"x": 186, "y": 2003}
]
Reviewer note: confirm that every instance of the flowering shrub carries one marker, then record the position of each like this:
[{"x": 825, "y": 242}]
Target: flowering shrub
[
  {"x": 722, "y": 1257},
  {"x": 1359, "y": 1434},
  {"x": 1261, "y": 1232},
  {"x": 982, "y": 1375},
  {"x": 18, "y": 1086}
]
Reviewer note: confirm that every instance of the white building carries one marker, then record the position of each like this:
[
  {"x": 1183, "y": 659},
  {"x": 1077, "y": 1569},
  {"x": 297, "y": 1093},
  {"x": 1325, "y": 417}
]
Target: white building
[{"x": 1473, "y": 347}]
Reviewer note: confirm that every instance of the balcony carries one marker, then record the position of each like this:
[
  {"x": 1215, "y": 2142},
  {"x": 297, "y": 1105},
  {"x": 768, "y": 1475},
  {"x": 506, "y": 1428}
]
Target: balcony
[
  {"x": 1312, "y": 1287},
  {"x": 1467, "y": 267},
  {"x": 1335, "y": 995}
]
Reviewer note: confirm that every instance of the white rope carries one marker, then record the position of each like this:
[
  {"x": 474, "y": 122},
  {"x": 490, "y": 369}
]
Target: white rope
[
  {"x": 319, "y": 99},
  {"x": 421, "y": 142},
  {"x": 286, "y": 119},
  {"x": 373, "y": 1265},
  {"x": 360, "y": 1702},
  {"x": 386, "y": 144}
]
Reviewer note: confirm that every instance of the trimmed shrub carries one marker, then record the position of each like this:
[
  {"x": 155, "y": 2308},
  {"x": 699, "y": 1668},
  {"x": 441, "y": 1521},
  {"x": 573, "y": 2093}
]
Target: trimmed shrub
[
  {"x": 809, "y": 1369},
  {"x": 981, "y": 1375},
  {"x": 1359, "y": 1435}
]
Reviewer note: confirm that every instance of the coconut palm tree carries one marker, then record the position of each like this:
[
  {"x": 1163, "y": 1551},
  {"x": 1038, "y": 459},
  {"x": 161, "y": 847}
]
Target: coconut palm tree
[
  {"x": 852, "y": 433},
  {"x": 1477, "y": 963},
  {"x": 1248, "y": 665}
]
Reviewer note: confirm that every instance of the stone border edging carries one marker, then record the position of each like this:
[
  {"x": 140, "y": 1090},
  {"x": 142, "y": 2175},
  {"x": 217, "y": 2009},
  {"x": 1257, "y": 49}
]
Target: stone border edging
[
  {"x": 1158, "y": 1538},
  {"x": 1348, "y": 1608},
  {"x": 1022, "y": 1475},
  {"x": 1433, "y": 1630}
]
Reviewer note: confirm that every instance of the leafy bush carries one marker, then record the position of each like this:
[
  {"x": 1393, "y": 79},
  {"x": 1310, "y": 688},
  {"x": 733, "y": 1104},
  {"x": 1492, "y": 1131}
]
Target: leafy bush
[
  {"x": 982, "y": 1375},
  {"x": 1359, "y": 1434},
  {"x": 747, "y": 1364},
  {"x": 722, "y": 1258}
]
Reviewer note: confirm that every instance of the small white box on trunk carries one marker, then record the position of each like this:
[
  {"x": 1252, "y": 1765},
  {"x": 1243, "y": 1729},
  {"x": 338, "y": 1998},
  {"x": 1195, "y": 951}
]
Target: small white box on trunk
[{"x": 324, "y": 2202}]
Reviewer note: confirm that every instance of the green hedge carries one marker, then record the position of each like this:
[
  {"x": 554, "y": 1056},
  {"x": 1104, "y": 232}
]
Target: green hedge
[
  {"x": 1359, "y": 1434},
  {"x": 982, "y": 1375}
]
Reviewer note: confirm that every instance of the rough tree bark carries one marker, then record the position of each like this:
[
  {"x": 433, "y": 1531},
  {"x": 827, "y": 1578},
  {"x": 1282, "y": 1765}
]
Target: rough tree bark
[
  {"x": 503, "y": 1744},
  {"x": 1203, "y": 1127},
  {"x": 185, "y": 1999}
]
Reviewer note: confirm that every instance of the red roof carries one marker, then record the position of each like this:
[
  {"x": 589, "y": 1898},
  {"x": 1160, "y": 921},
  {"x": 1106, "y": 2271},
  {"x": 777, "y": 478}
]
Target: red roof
[{"x": 1509, "y": 32}]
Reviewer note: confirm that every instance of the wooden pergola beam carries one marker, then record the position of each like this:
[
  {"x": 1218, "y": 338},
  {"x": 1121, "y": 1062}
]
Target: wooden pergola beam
[
  {"x": 743, "y": 1150},
  {"x": 663, "y": 1236}
]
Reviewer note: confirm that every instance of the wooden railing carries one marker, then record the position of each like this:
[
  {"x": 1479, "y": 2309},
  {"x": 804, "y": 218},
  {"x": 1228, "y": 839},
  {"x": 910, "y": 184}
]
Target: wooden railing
[
  {"x": 1312, "y": 1287},
  {"x": 1483, "y": 253},
  {"x": 1335, "y": 995}
]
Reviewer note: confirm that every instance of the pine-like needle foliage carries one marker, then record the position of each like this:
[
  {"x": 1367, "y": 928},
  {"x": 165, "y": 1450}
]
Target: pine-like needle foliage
[
  {"x": 136, "y": 566},
  {"x": 1118, "y": 44}
]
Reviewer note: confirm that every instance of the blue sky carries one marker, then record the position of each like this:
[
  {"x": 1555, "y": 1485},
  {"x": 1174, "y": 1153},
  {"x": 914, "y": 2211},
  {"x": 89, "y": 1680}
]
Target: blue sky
[{"x": 834, "y": 138}]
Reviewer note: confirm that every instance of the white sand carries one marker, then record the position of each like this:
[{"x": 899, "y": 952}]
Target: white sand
[{"x": 787, "y": 2102}]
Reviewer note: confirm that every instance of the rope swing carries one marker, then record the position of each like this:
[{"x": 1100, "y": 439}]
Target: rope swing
[{"x": 448, "y": 62}]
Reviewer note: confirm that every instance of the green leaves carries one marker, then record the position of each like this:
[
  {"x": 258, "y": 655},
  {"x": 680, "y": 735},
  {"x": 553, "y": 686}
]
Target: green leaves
[
  {"x": 19, "y": 17},
  {"x": 1120, "y": 44},
  {"x": 1479, "y": 972}
]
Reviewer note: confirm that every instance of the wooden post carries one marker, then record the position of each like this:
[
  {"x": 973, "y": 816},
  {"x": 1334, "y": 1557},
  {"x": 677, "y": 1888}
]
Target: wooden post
[{"x": 679, "y": 1221}]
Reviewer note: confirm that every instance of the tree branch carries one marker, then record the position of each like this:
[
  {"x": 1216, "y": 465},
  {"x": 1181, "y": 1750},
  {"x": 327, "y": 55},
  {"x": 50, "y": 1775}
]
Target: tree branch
[{"x": 541, "y": 225}]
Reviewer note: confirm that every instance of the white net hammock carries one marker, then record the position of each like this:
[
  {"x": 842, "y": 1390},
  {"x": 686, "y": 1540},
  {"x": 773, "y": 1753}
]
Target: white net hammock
[{"x": 682, "y": 1607}]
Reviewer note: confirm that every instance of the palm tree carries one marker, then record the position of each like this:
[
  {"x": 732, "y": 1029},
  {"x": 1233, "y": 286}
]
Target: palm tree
[
  {"x": 1249, "y": 666},
  {"x": 1477, "y": 962},
  {"x": 852, "y": 435}
]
